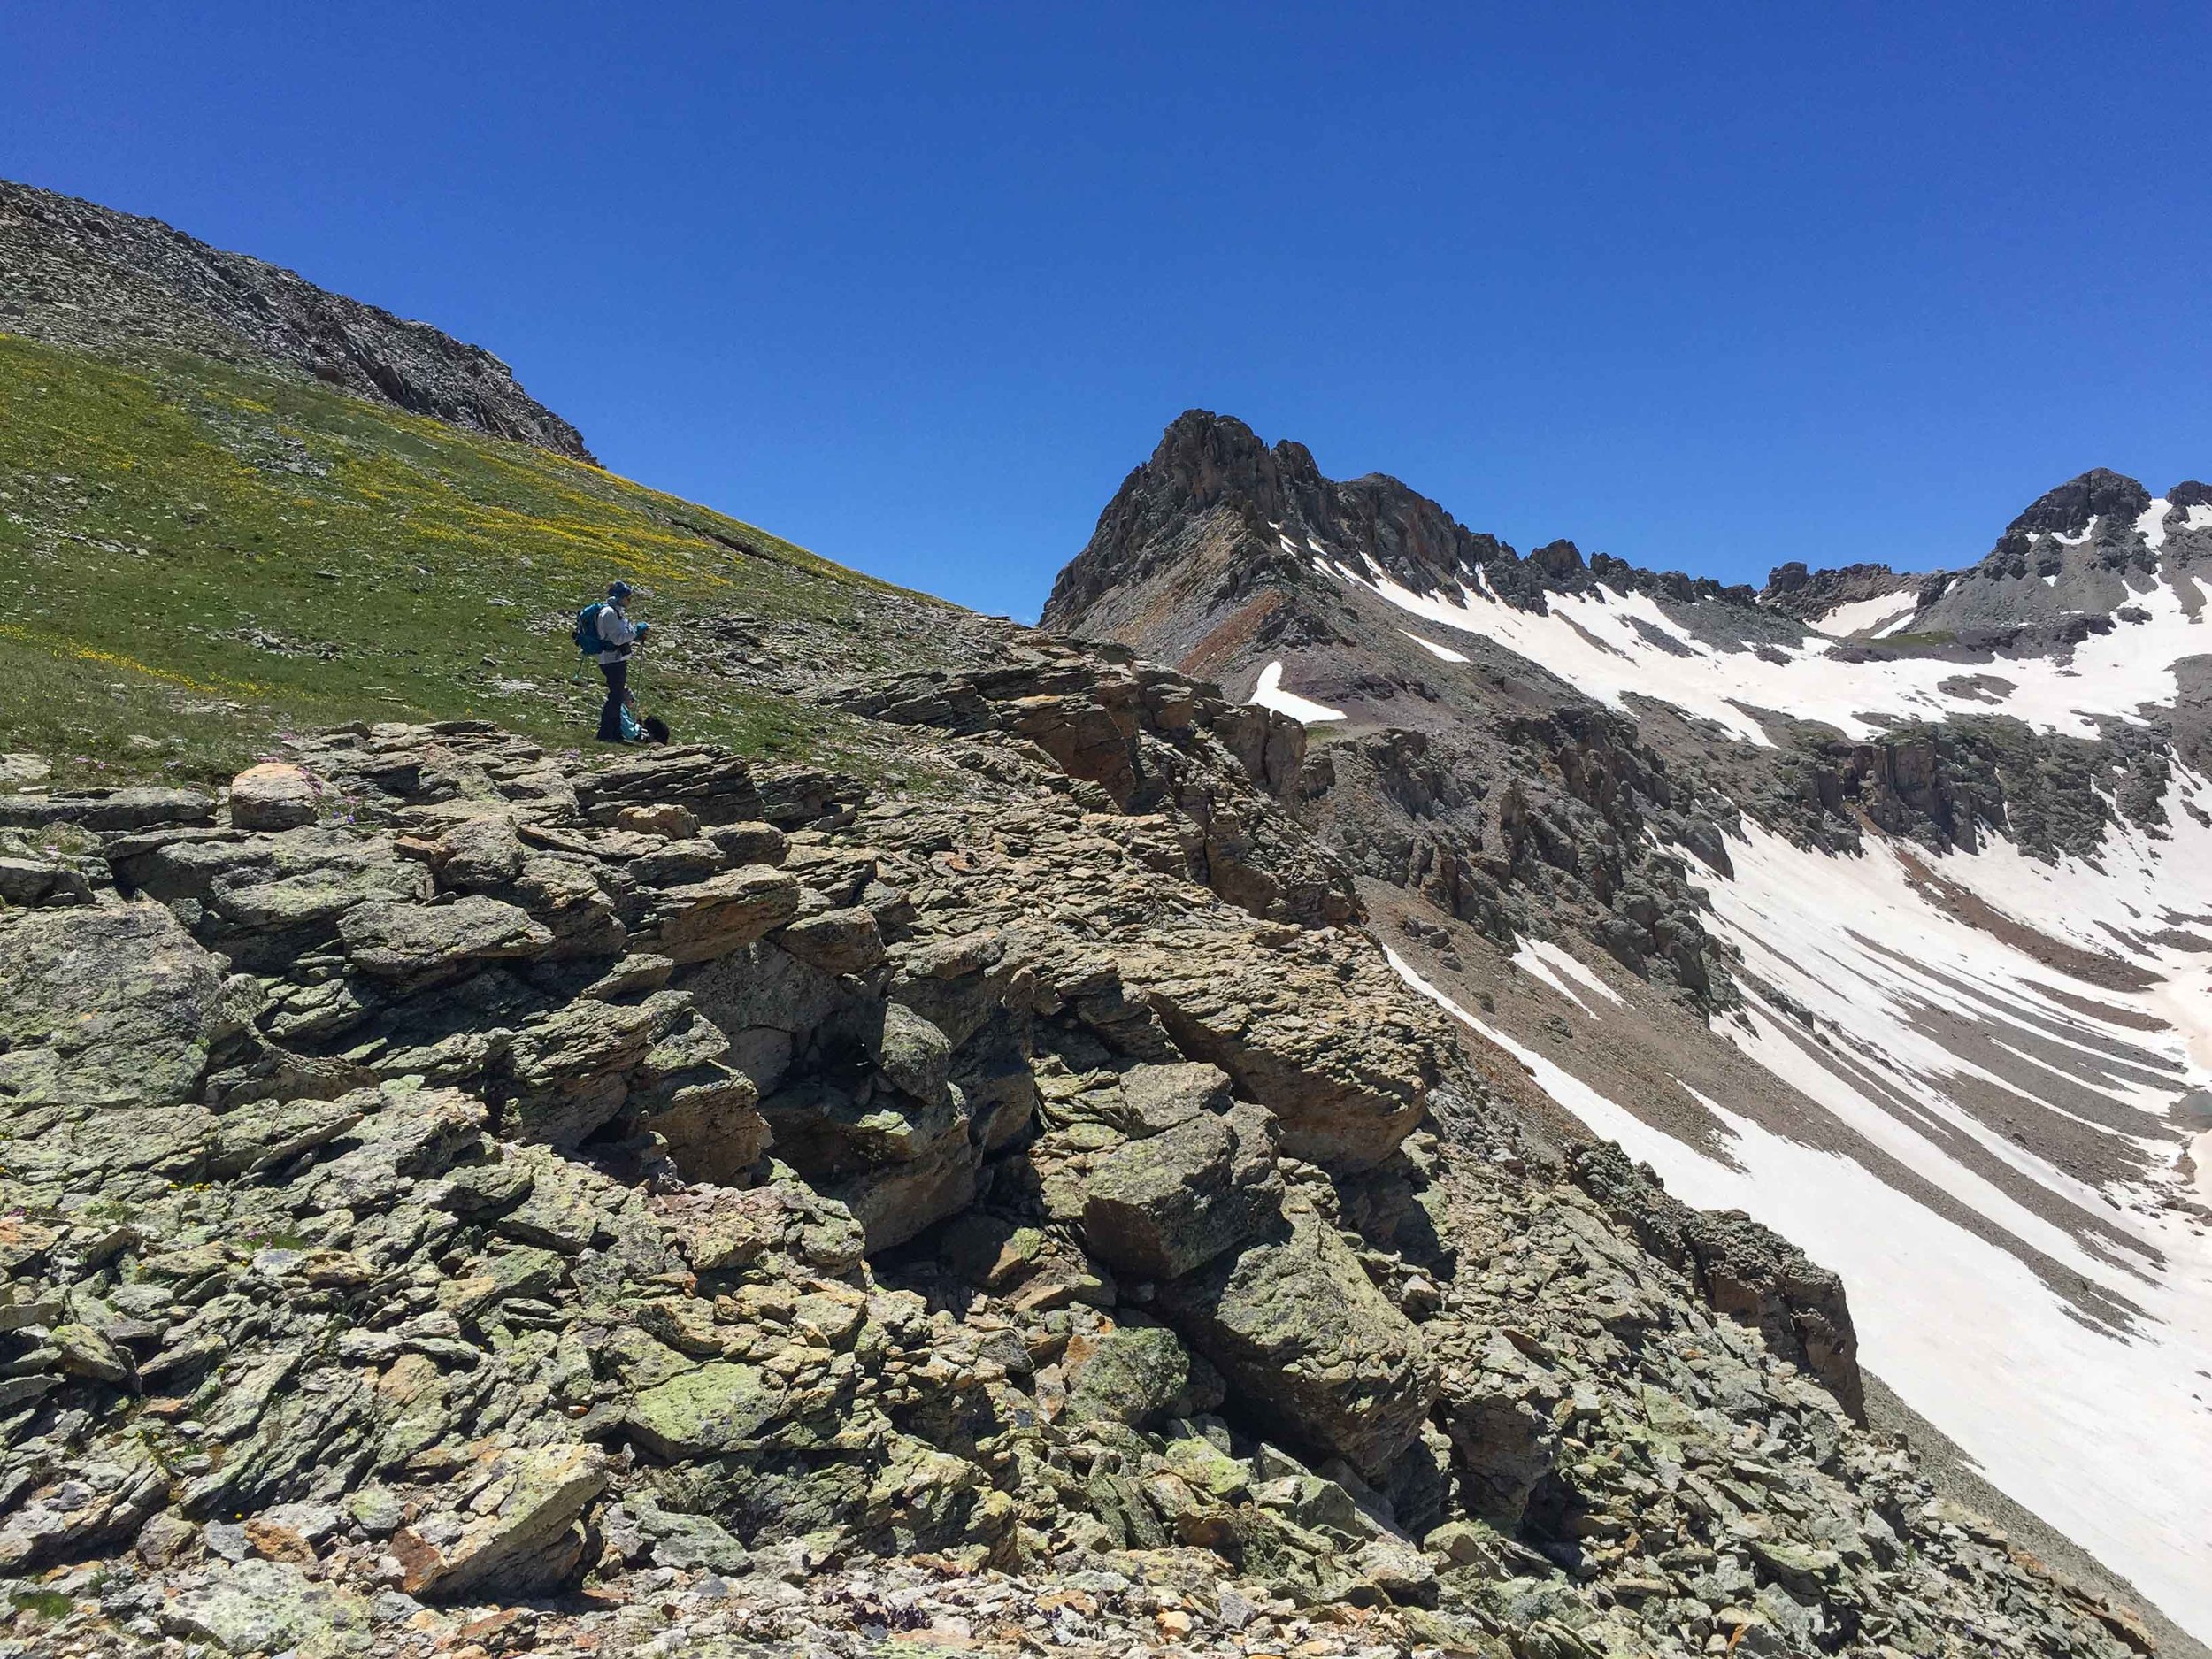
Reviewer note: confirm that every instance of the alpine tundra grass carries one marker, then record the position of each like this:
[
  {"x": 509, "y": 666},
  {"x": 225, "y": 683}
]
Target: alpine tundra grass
[{"x": 202, "y": 557}]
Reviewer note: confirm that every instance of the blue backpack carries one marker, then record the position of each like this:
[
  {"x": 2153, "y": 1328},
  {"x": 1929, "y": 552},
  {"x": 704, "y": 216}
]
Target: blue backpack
[{"x": 587, "y": 630}]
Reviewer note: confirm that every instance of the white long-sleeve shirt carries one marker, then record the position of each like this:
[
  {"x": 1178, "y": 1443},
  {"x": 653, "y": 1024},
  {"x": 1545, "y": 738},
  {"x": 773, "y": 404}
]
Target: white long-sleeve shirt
[{"x": 616, "y": 633}]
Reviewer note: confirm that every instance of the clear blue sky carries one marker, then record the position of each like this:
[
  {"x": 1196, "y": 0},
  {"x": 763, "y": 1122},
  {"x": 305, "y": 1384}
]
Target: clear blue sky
[{"x": 1707, "y": 287}]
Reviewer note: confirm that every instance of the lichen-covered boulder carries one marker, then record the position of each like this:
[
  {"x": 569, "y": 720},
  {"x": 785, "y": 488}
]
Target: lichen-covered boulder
[
  {"x": 1306, "y": 1340},
  {"x": 836, "y": 942},
  {"x": 1165, "y": 1205},
  {"x": 705, "y": 1412},
  {"x": 1139, "y": 1375},
  {"x": 108, "y": 1006},
  {"x": 265, "y": 901},
  {"x": 520, "y": 1535},
  {"x": 415, "y": 946},
  {"x": 257, "y": 1607},
  {"x": 711, "y": 918}
]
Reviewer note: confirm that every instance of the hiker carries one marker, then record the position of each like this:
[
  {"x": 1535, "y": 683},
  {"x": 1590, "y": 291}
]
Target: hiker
[{"x": 617, "y": 634}]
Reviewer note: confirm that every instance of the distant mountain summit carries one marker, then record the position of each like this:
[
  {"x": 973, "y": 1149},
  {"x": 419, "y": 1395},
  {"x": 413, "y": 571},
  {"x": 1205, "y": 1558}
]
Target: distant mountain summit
[
  {"x": 74, "y": 273},
  {"x": 2075, "y": 560},
  {"x": 1196, "y": 549}
]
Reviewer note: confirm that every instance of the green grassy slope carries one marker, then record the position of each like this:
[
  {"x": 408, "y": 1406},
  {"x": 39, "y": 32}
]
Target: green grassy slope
[{"x": 198, "y": 558}]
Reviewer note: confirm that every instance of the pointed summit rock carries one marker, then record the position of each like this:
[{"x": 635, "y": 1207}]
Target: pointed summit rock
[
  {"x": 2099, "y": 496},
  {"x": 1220, "y": 545},
  {"x": 2075, "y": 558}
]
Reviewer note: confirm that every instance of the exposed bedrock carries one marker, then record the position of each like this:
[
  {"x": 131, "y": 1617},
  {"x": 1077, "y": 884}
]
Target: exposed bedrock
[
  {"x": 512, "y": 1178},
  {"x": 1746, "y": 1271},
  {"x": 1517, "y": 825}
]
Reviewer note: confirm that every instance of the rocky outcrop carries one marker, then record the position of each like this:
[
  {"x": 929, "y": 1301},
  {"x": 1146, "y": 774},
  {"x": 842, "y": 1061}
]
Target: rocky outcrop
[
  {"x": 1746, "y": 1271},
  {"x": 1808, "y": 595},
  {"x": 1151, "y": 743},
  {"x": 1951, "y": 786},
  {"x": 2078, "y": 558},
  {"x": 1563, "y": 816},
  {"x": 696, "y": 1179},
  {"x": 74, "y": 273},
  {"x": 1291, "y": 1319}
]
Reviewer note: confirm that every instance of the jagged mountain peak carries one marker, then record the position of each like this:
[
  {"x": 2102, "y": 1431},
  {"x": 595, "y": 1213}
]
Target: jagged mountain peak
[
  {"x": 1206, "y": 545},
  {"x": 2098, "y": 494},
  {"x": 2098, "y": 549},
  {"x": 1204, "y": 460}
]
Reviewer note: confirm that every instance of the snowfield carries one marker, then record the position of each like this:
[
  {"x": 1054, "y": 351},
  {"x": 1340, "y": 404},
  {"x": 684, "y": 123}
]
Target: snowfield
[
  {"x": 2106, "y": 1434},
  {"x": 1869, "y": 618},
  {"x": 1541, "y": 959},
  {"x": 1611, "y": 645},
  {"x": 1268, "y": 694},
  {"x": 1975, "y": 1063}
]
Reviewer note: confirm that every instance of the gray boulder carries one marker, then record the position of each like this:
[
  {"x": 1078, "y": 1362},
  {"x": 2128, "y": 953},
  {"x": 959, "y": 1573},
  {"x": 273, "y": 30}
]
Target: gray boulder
[
  {"x": 1158, "y": 1097},
  {"x": 107, "y": 1006},
  {"x": 136, "y": 808},
  {"x": 835, "y": 941},
  {"x": 259, "y": 1607},
  {"x": 274, "y": 795},
  {"x": 265, "y": 901},
  {"x": 1305, "y": 1340},
  {"x": 1141, "y": 1375},
  {"x": 34, "y": 881},
  {"x": 521, "y": 1536},
  {"x": 711, "y": 918},
  {"x": 415, "y": 946},
  {"x": 1164, "y": 1206}
]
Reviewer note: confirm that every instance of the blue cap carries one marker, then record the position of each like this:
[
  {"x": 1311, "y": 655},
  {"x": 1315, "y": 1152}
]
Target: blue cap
[{"x": 619, "y": 590}]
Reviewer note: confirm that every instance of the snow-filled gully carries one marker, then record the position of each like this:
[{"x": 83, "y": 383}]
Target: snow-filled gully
[{"x": 2102, "y": 1425}]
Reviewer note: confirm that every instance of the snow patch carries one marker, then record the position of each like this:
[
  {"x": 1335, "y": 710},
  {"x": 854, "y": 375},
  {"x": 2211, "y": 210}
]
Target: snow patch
[
  {"x": 2151, "y": 524},
  {"x": 1442, "y": 653},
  {"x": 1548, "y": 963},
  {"x": 2104, "y": 1436},
  {"x": 1528, "y": 961},
  {"x": 1601, "y": 642},
  {"x": 1268, "y": 694},
  {"x": 1866, "y": 616}
]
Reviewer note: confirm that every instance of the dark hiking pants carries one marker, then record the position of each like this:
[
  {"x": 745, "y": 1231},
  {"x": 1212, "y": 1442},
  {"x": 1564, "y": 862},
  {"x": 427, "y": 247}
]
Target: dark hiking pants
[{"x": 611, "y": 717}]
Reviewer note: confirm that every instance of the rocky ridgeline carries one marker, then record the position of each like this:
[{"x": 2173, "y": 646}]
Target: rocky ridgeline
[
  {"x": 2075, "y": 560},
  {"x": 75, "y": 274},
  {"x": 1195, "y": 536},
  {"x": 454, "y": 1202}
]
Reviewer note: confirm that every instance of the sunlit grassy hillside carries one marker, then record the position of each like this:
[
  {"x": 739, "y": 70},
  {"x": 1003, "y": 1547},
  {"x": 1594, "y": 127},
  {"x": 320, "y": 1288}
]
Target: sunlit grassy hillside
[{"x": 198, "y": 558}]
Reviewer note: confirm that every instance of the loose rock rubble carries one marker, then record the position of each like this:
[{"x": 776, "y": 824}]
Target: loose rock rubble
[{"x": 691, "y": 1208}]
